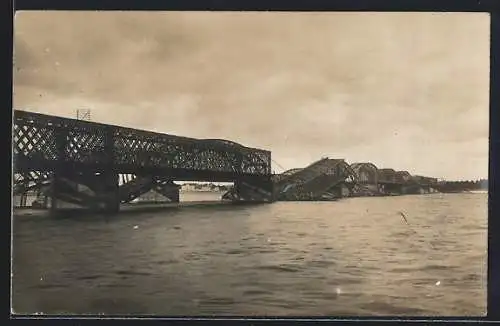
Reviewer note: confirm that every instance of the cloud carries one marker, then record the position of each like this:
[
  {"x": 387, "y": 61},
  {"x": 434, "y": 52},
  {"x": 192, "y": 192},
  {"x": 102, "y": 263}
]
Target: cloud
[{"x": 373, "y": 86}]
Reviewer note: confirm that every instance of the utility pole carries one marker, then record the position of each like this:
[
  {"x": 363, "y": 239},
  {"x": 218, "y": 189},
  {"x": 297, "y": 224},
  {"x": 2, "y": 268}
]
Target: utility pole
[{"x": 83, "y": 114}]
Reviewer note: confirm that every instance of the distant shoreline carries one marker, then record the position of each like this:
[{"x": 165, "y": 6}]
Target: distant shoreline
[{"x": 195, "y": 191}]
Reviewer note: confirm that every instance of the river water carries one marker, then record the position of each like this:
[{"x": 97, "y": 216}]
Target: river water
[{"x": 351, "y": 257}]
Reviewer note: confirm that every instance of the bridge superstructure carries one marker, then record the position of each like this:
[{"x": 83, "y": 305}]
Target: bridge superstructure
[
  {"x": 368, "y": 179},
  {"x": 328, "y": 179},
  {"x": 86, "y": 163},
  {"x": 325, "y": 179}
]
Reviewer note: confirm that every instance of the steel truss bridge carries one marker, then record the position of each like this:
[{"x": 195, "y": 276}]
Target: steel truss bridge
[
  {"x": 325, "y": 179},
  {"x": 100, "y": 166},
  {"x": 328, "y": 179}
]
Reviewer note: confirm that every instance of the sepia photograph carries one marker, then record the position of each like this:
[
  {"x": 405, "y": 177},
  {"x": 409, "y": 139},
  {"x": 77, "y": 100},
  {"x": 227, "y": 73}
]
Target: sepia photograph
[{"x": 204, "y": 163}]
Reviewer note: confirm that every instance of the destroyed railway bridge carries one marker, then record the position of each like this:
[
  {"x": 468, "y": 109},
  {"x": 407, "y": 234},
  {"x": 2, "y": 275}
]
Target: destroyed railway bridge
[
  {"x": 100, "y": 166},
  {"x": 328, "y": 179}
]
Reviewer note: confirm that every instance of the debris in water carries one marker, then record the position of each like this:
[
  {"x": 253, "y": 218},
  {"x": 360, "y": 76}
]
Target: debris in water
[
  {"x": 136, "y": 227},
  {"x": 404, "y": 217},
  {"x": 406, "y": 221},
  {"x": 438, "y": 282},
  {"x": 338, "y": 290}
]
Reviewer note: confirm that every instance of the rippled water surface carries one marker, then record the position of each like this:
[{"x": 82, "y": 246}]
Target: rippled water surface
[{"x": 350, "y": 257}]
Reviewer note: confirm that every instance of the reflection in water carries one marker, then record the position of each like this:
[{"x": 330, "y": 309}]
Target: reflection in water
[{"x": 351, "y": 257}]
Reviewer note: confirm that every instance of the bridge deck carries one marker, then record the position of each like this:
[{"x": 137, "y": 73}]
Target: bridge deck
[{"x": 47, "y": 143}]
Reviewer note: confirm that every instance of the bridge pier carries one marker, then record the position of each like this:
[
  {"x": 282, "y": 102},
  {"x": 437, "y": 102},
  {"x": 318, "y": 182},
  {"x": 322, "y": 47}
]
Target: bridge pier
[
  {"x": 106, "y": 189},
  {"x": 54, "y": 192},
  {"x": 254, "y": 189},
  {"x": 411, "y": 189},
  {"x": 169, "y": 189},
  {"x": 24, "y": 198},
  {"x": 425, "y": 189},
  {"x": 392, "y": 189},
  {"x": 175, "y": 196}
]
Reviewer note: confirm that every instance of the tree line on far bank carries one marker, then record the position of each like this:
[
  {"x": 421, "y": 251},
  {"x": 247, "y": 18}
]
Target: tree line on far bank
[{"x": 469, "y": 185}]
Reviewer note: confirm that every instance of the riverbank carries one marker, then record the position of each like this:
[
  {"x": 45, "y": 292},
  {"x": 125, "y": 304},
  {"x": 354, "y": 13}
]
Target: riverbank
[
  {"x": 188, "y": 199},
  {"x": 124, "y": 208}
]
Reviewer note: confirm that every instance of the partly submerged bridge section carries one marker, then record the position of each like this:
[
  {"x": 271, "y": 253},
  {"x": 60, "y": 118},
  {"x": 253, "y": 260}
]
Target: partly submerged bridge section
[
  {"x": 100, "y": 166},
  {"x": 325, "y": 179},
  {"x": 329, "y": 179}
]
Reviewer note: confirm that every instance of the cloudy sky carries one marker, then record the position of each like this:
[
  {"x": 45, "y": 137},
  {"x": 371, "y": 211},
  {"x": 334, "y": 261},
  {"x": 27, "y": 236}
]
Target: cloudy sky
[{"x": 407, "y": 91}]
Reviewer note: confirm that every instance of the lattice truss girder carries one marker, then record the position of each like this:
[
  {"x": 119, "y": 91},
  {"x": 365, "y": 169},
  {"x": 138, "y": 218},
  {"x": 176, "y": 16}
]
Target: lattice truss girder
[
  {"x": 348, "y": 174},
  {"x": 86, "y": 145},
  {"x": 148, "y": 151},
  {"x": 315, "y": 178},
  {"x": 34, "y": 141},
  {"x": 366, "y": 172},
  {"x": 387, "y": 176},
  {"x": 39, "y": 137},
  {"x": 31, "y": 180}
]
